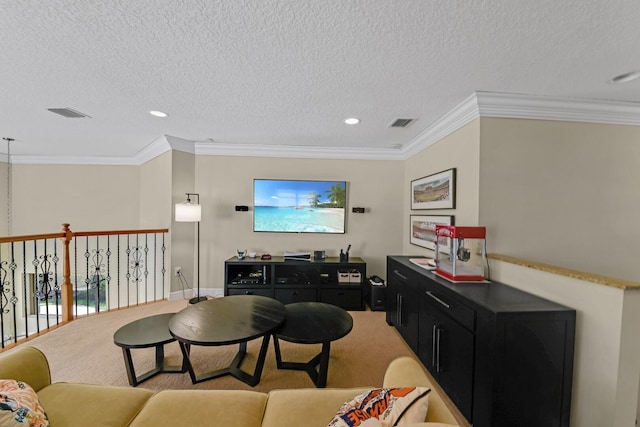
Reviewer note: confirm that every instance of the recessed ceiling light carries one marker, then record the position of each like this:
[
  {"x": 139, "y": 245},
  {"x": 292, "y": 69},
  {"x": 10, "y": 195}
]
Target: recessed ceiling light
[
  {"x": 352, "y": 121},
  {"x": 626, "y": 77},
  {"x": 158, "y": 113}
]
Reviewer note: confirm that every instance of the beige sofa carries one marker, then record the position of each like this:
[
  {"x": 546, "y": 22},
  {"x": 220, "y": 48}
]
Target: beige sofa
[{"x": 81, "y": 405}]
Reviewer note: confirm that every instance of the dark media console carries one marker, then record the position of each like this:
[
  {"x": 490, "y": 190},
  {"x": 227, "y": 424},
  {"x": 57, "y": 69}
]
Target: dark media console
[
  {"x": 327, "y": 280},
  {"x": 504, "y": 356}
]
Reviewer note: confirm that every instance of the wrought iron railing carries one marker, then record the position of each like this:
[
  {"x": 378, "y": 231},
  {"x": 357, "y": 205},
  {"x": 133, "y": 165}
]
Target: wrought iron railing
[{"x": 49, "y": 279}]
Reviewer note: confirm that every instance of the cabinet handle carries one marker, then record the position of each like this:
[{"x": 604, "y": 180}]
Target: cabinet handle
[
  {"x": 400, "y": 304},
  {"x": 438, "y": 300},
  {"x": 438, "y": 333},
  {"x": 433, "y": 345},
  {"x": 398, "y": 274}
]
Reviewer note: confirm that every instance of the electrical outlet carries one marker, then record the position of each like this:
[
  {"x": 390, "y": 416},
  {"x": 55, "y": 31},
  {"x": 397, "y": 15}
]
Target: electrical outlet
[{"x": 178, "y": 271}]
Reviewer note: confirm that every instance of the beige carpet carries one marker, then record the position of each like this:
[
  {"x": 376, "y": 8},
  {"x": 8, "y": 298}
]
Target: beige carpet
[{"x": 83, "y": 351}]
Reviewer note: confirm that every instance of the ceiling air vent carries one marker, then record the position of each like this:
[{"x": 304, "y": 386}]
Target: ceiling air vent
[
  {"x": 68, "y": 112},
  {"x": 401, "y": 123}
]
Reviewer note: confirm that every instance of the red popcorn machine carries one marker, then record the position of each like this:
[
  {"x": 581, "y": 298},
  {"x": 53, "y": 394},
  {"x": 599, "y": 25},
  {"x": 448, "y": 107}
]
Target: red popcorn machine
[{"x": 461, "y": 253}]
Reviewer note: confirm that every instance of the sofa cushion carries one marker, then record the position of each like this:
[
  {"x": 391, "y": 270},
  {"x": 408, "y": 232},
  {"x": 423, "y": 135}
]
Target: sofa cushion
[
  {"x": 81, "y": 405},
  {"x": 19, "y": 406},
  {"x": 384, "y": 407},
  {"x": 26, "y": 364},
  {"x": 214, "y": 408},
  {"x": 405, "y": 371},
  {"x": 309, "y": 407}
]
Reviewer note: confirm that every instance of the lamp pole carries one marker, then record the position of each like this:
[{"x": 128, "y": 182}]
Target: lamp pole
[
  {"x": 192, "y": 212},
  {"x": 197, "y": 298}
]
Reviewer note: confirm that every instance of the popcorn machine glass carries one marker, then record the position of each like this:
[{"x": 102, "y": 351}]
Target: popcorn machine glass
[{"x": 461, "y": 253}]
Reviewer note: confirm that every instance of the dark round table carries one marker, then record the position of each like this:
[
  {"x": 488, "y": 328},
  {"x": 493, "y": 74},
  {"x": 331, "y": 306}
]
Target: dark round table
[
  {"x": 233, "y": 319},
  {"x": 152, "y": 331},
  {"x": 312, "y": 323}
]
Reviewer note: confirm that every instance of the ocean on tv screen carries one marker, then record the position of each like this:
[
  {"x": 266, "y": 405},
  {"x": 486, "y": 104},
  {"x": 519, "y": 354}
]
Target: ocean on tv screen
[{"x": 299, "y": 219}]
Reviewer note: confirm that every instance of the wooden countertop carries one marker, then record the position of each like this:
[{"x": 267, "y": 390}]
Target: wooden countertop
[{"x": 576, "y": 274}]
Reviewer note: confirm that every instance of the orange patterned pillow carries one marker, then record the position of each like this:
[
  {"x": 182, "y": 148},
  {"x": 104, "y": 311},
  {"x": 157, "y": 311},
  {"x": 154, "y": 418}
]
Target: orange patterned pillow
[
  {"x": 384, "y": 407},
  {"x": 19, "y": 406}
]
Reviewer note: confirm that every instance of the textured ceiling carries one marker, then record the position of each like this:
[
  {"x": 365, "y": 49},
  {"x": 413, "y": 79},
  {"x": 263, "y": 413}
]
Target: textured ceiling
[{"x": 289, "y": 72}]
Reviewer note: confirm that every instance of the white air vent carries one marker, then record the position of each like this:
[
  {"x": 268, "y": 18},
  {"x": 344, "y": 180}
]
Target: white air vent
[
  {"x": 401, "y": 123},
  {"x": 68, "y": 112}
]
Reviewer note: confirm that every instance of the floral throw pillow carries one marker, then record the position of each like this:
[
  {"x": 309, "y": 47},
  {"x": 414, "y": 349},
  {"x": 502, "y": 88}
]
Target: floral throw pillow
[
  {"x": 384, "y": 407},
  {"x": 19, "y": 406}
]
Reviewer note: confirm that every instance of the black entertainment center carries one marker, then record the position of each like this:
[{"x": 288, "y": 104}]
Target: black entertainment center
[{"x": 327, "y": 280}]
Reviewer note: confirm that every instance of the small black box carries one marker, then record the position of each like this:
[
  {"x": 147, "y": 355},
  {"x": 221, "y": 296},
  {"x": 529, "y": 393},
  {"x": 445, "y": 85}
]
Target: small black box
[
  {"x": 376, "y": 296},
  {"x": 242, "y": 208}
]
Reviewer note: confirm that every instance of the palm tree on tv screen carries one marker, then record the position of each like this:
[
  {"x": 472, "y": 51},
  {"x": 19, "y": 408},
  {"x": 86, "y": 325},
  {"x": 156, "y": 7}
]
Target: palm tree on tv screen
[
  {"x": 314, "y": 199},
  {"x": 337, "y": 195}
]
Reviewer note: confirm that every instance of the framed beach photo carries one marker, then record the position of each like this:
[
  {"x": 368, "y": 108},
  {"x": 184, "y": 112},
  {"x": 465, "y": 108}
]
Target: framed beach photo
[
  {"x": 423, "y": 231},
  {"x": 437, "y": 191}
]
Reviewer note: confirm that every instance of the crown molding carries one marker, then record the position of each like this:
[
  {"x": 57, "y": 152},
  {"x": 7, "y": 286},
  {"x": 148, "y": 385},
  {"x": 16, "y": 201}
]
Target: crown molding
[
  {"x": 513, "y": 106},
  {"x": 73, "y": 160},
  {"x": 300, "y": 152},
  {"x": 478, "y": 104},
  {"x": 459, "y": 116}
]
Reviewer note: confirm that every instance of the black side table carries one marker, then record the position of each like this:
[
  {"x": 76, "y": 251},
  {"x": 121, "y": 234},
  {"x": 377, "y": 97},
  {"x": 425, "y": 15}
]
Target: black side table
[
  {"x": 152, "y": 331},
  {"x": 234, "y": 319},
  {"x": 312, "y": 323}
]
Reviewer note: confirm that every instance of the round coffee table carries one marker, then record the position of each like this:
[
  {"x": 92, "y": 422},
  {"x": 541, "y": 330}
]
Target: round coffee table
[
  {"x": 152, "y": 331},
  {"x": 233, "y": 319},
  {"x": 312, "y": 323}
]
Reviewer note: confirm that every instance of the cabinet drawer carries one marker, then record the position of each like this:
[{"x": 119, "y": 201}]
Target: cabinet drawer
[
  {"x": 289, "y": 295},
  {"x": 263, "y": 291},
  {"x": 401, "y": 274},
  {"x": 349, "y": 299},
  {"x": 451, "y": 306}
]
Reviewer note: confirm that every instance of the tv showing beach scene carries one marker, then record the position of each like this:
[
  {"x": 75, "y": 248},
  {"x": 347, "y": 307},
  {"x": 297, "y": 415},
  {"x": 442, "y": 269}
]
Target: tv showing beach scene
[{"x": 296, "y": 206}]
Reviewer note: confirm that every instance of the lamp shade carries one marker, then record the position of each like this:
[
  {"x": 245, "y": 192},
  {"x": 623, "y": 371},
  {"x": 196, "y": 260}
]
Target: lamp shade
[{"x": 188, "y": 212}]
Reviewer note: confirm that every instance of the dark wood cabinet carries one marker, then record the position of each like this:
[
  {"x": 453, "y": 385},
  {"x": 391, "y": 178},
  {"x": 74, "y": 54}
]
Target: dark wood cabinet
[
  {"x": 446, "y": 347},
  {"x": 329, "y": 280},
  {"x": 403, "y": 305},
  {"x": 503, "y": 356}
]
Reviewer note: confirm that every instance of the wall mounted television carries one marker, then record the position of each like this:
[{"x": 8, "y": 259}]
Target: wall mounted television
[{"x": 297, "y": 206}]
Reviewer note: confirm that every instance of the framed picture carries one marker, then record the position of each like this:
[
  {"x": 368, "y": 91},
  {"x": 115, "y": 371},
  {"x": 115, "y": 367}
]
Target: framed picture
[
  {"x": 437, "y": 191},
  {"x": 423, "y": 231}
]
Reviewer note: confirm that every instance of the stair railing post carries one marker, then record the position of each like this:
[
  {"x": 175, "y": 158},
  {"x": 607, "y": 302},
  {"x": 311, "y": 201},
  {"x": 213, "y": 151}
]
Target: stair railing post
[{"x": 67, "y": 289}]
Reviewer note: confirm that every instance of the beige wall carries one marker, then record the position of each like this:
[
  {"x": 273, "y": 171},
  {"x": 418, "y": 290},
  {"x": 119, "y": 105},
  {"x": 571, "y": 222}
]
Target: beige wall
[
  {"x": 89, "y": 197},
  {"x": 459, "y": 150},
  {"x": 155, "y": 192},
  {"x": 183, "y": 234},
  {"x": 562, "y": 193},
  {"x": 224, "y": 182}
]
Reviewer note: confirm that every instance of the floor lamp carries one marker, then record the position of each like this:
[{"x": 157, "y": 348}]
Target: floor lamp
[{"x": 189, "y": 211}]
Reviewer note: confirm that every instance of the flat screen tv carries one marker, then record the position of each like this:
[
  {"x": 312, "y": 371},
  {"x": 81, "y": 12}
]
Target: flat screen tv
[{"x": 295, "y": 206}]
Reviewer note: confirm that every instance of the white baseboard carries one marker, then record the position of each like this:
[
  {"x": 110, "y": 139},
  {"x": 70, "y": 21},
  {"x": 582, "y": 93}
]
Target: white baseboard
[{"x": 190, "y": 293}]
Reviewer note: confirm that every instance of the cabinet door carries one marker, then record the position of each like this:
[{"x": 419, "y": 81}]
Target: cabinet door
[
  {"x": 408, "y": 320},
  {"x": 392, "y": 298},
  {"x": 447, "y": 350}
]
